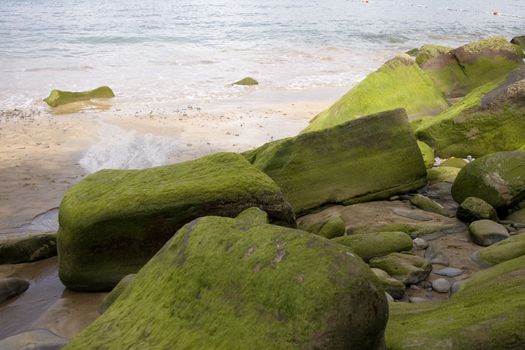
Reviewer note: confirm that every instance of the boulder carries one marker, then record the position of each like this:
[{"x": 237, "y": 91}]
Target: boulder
[
  {"x": 505, "y": 250},
  {"x": 519, "y": 40},
  {"x": 489, "y": 119},
  {"x": 112, "y": 222},
  {"x": 486, "y": 313},
  {"x": 395, "y": 288},
  {"x": 59, "y": 97},
  {"x": 442, "y": 174},
  {"x": 407, "y": 268},
  {"x": 428, "y": 154},
  {"x": 330, "y": 226},
  {"x": 370, "y": 158},
  {"x": 369, "y": 246},
  {"x": 473, "y": 209},
  {"x": 116, "y": 292},
  {"x": 428, "y": 204},
  {"x": 28, "y": 249},
  {"x": 37, "y": 339},
  {"x": 248, "y": 81},
  {"x": 517, "y": 216},
  {"x": 487, "y": 232},
  {"x": 399, "y": 83},
  {"x": 454, "y": 162},
  {"x": 221, "y": 283},
  {"x": 498, "y": 179},
  {"x": 11, "y": 287}
]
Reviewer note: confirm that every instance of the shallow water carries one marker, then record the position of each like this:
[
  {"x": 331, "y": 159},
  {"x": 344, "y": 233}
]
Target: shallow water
[{"x": 159, "y": 54}]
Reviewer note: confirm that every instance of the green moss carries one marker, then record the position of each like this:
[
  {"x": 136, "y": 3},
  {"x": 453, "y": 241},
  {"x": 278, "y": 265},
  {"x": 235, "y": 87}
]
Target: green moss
[
  {"x": 473, "y": 209},
  {"x": 442, "y": 174},
  {"x": 59, "y": 97},
  {"x": 487, "y": 313},
  {"x": 407, "y": 268},
  {"x": 428, "y": 154},
  {"x": 35, "y": 247},
  {"x": 113, "y": 221},
  {"x": 399, "y": 83},
  {"x": 369, "y": 246},
  {"x": 392, "y": 286},
  {"x": 428, "y": 204},
  {"x": 369, "y": 158},
  {"x": 413, "y": 230},
  {"x": 329, "y": 226},
  {"x": 220, "y": 283},
  {"x": 116, "y": 292},
  {"x": 427, "y": 52},
  {"x": 248, "y": 81},
  {"x": 454, "y": 162},
  {"x": 517, "y": 216},
  {"x": 510, "y": 248}
]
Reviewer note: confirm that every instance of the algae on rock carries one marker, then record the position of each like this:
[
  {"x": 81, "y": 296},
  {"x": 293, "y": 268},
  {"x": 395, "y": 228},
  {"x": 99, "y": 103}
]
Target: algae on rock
[
  {"x": 59, "y": 97},
  {"x": 508, "y": 249},
  {"x": 372, "y": 245}
]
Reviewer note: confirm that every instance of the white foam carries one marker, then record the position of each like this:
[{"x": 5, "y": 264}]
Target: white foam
[{"x": 119, "y": 148}]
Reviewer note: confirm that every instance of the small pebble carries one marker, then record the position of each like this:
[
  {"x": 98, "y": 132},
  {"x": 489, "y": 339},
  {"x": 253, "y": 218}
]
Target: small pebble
[
  {"x": 441, "y": 285},
  {"x": 420, "y": 243}
]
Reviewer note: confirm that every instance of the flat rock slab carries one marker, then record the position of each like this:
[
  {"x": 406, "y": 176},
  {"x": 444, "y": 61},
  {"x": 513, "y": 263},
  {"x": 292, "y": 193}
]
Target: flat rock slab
[
  {"x": 449, "y": 272},
  {"x": 39, "y": 339}
]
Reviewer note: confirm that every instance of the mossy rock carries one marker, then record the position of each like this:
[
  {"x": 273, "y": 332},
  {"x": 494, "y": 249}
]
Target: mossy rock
[
  {"x": 517, "y": 216},
  {"x": 220, "y": 283},
  {"x": 248, "y": 81},
  {"x": 414, "y": 230},
  {"x": 392, "y": 286},
  {"x": 489, "y": 119},
  {"x": 28, "y": 249},
  {"x": 59, "y": 97},
  {"x": 508, "y": 249},
  {"x": 442, "y": 174},
  {"x": 487, "y": 232},
  {"x": 519, "y": 40},
  {"x": 399, "y": 83},
  {"x": 428, "y": 154},
  {"x": 473, "y": 209},
  {"x": 407, "y": 268},
  {"x": 370, "y": 158},
  {"x": 11, "y": 287},
  {"x": 369, "y": 246},
  {"x": 116, "y": 292},
  {"x": 428, "y": 204},
  {"x": 112, "y": 222},
  {"x": 487, "y": 313},
  {"x": 454, "y": 162},
  {"x": 498, "y": 179},
  {"x": 329, "y": 226}
]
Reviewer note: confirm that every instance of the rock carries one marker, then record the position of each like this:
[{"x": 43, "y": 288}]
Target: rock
[
  {"x": 248, "y": 81},
  {"x": 489, "y": 119},
  {"x": 417, "y": 300},
  {"x": 391, "y": 286},
  {"x": 473, "y": 209},
  {"x": 428, "y": 204},
  {"x": 407, "y": 268},
  {"x": 442, "y": 174},
  {"x": 505, "y": 250},
  {"x": 399, "y": 83},
  {"x": 449, "y": 272},
  {"x": 485, "y": 313},
  {"x": 368, "y": 246},
  {"x": 436, "y": 256},
  {"x": 38, "y": 339},
  {"x": 518, "y": 216},
  {"x": 454, "y": 163},
  {"x": 519, "y": 40},
  {"x": 222, "y": 283},
  {"x": 389, "y": 298},
  {"x": 116, "y": 292},
  {"x": 419, "y": 243},
  {"x": 498, "y": 179},
  {"x": 371, "y": 158},
  {"x": 411, "y": 214},
  {"x": 487, "y": 232},
  {"x": 441, "y": 285},
  {"x": 112, "y": 222},
  {"x": 11, "y": 287},
  {"x": 329, "y": 227},
  {"x": 28, "y": 249},
  {"x": 429, "y": 231},
  {"x": 428, "y": 154},
  {"x": 59, "y": 97}
]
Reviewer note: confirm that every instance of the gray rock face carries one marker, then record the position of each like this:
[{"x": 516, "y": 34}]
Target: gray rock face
[
  {"x": 11, "y": 287},
  {"x": 487, "y": 232},
  {"x": 473, "y": 209},
  {"x": 441, "y": 285},
  {"x": 38, "y": 339},
  {"x": 449, "y": 272}
]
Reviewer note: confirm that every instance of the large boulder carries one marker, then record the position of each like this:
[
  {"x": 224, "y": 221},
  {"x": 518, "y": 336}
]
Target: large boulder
[
  {"x": 498, "y": 179},
  {"x": 473, "y": 209},
  {"x": 222, "y": 283},
  {"x": 372, "y": 245},
  {"x": 112, "y": 222},
  {"x": 28, "y": 249},
  {"x": 59, "y": 97},
  {"x": 486, "y": 313},
  {"x": 489, "y": 119},
  {"x": 399, "y": 83},
  {"x": 370, "y": 158}
]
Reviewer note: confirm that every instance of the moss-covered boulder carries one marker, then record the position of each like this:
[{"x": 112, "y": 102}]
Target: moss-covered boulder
[
  {"x": 369, "y": 246},
  {"x": 112, "y": 222},
  {"x": 28, "y": 249},
  {"x": 370, "y": 158},
  {"x": 394, "y": 287},
  {"x": 248, "y": 81},
  {"x": 399, "y": 83},
  {"x": 428, "y": 154},
  {"x": 487, "y": 313},
  {"x": 328, "y": 226},
  {"x": 454, "y": 162},
  {"x": 59, "y": 97},
  {"x": 428, "y": 204},
  {"x": 498, "y": 179},
  {"x": 473, "y": 209},
  {"x": 487, "y": 232},
  {"x": 407, "y": 268},
  {"x": 489, "y": 119},
  {"x": 221, "y": 283},
  {"x": 442, "y": 174},
  {"x": 505, "y": 250}
]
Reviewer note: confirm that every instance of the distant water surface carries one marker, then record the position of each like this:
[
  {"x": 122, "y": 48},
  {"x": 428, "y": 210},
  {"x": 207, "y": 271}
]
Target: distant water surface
[{"x": 158, "y": 53}]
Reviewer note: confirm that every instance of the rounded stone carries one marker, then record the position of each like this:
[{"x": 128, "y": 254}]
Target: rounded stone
[
  {"x": 487, "y": 232},
  {"x": 441, "y": 285}
]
